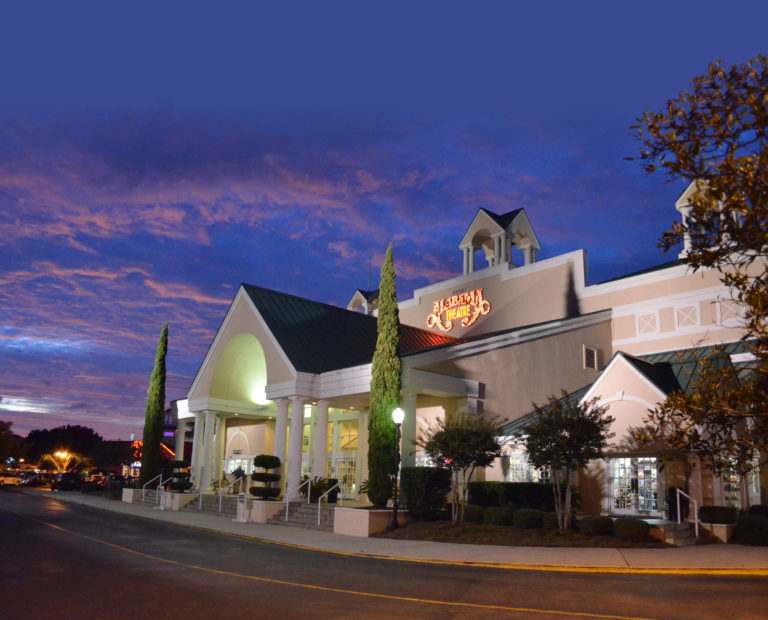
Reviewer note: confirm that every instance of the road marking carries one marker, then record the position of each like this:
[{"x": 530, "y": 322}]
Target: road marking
[
  {"x": 309, "y": 586},
  {"x": 610, "y": 570}
]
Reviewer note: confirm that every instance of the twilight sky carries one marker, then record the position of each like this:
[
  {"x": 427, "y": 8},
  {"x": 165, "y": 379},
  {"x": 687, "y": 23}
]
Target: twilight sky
[{"x": 155, "y": 155}]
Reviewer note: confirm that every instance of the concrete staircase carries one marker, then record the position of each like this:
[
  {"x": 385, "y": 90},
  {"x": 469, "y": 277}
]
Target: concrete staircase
[
  {"x": 210, "y": 506},
  {"x": 679, "y": 534},
  {"x": 303, "y": 515},
  {"x": 149, "y": 499}
]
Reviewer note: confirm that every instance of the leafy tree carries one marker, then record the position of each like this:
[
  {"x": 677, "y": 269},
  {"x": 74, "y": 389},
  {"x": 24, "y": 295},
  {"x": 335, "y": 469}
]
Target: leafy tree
[
  {"x": 717, "y": 420},
  {"x": 564, "y": 436},
  {"x": 10, "y": 445},
  {"x": 462, "y": 443},
  {"x": 153, "y": 421},
  {"x": 385, "y": 390},
  {"x": 716, "y": 137},
  {"x": 70, "y": 438}
]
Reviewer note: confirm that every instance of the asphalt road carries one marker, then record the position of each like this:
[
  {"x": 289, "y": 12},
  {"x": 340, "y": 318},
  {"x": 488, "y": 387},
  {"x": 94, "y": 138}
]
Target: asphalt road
[{"x": 62, "y": 560}]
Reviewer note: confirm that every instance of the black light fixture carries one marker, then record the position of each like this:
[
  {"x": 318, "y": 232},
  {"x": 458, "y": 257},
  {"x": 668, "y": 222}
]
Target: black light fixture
[{"x": 398, "y": 415}]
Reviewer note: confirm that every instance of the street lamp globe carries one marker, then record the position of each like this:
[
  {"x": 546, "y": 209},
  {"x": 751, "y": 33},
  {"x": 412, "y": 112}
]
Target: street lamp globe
[{"x": 398, "y": 415}]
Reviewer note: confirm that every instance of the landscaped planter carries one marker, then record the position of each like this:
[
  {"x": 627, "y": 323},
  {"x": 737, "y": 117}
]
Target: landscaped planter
[
  {"x": 363, "y": 522},
  {"x": 131, "y": 496},
  {"x": 721, "y": 531},
  {"x": 262, "y": 510}
]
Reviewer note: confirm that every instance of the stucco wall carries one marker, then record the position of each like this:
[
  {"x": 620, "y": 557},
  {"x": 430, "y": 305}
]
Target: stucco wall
[{"x": 517, "y": 375}]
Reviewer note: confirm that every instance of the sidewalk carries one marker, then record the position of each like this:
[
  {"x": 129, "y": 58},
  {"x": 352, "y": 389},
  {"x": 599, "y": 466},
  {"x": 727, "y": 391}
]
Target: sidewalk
[{"x": 705, "y": 559}]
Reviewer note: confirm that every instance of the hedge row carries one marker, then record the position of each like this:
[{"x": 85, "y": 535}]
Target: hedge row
[
  {"x": 624, "y": 528},
  {"x": 512, "y": 495}
]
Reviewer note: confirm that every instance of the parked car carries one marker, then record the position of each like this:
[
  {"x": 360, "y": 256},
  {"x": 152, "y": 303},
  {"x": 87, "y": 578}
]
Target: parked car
[
  {"x": 9, "y": 478},
  {"x": 111, "y": 482},
  {"x": 67, "y": 481}
]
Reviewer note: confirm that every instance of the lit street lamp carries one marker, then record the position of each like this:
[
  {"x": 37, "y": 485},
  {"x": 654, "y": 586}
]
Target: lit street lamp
[
  {"x": 65, "y": 459},
  {"x": 398, "y": 415}
]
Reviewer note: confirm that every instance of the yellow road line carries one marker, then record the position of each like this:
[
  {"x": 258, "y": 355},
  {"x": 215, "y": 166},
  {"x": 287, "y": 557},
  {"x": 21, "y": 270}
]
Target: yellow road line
[
  {"x": 294, "y": 584},
  {"x": 610, "y": 570}
]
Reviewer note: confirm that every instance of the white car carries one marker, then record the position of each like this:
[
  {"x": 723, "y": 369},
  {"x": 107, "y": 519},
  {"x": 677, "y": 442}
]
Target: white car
[{"x": 10, "y": 478}]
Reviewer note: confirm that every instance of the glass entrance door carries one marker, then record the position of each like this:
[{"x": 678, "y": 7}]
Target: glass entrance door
[{"x": 634, "y": 485}]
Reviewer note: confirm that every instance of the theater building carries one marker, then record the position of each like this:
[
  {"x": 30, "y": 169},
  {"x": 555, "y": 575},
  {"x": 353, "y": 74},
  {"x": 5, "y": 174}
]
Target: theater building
[{"x": 289, "y": 376}]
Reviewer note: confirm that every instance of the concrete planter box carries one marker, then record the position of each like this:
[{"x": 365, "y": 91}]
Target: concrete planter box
[
  {"x": 131, "y": 496},
  {"x": 260, "y": 511},
  {"x": 361, "y": 522},
  {"x": 721, "y": 531}
]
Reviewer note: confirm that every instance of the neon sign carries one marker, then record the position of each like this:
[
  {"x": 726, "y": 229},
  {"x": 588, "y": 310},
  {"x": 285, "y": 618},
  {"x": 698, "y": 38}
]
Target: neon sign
[{"x": 466, "y": 306}]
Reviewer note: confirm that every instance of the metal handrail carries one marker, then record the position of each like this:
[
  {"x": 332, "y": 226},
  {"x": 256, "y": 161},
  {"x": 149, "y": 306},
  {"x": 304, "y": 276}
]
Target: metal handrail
[
  {"x": 221, "y": 491},
  {"x": 296, "y": 490},
  {"x": 320, "y": 499},
  {"x": 161, "y": 488},
  {"x": 695, "y": 510},
  {"x": 144, "y": 486},
  {"x": 200, "y": 501}
]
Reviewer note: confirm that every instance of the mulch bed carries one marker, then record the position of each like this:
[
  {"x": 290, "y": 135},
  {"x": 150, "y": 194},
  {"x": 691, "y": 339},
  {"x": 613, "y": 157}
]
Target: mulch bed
[{"x": 483, "y": 534}]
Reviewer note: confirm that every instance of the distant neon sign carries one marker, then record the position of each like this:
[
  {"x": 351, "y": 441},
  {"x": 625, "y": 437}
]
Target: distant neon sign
[{"x": 465, "y": 306}]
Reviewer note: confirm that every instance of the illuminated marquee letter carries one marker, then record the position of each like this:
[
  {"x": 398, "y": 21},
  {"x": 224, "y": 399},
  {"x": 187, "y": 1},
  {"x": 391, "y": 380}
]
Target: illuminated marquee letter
[{"x": 466, "y": 306}]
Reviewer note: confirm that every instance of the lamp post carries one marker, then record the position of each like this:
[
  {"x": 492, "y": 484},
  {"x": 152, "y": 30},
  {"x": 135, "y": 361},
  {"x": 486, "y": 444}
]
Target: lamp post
[{"x": 398, "y": 415}]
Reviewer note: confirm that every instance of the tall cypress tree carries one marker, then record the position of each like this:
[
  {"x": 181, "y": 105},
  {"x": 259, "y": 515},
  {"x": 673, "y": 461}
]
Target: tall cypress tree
[
  {"x": 385, "y": 390},
  {"x": 153, "y": 422}
]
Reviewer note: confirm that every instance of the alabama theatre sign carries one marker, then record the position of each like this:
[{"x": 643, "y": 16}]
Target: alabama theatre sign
[{"x": 465, "y": 306}]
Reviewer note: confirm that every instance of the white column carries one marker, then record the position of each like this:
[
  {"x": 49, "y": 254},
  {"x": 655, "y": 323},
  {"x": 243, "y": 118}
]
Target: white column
[
  {"x": 465, "y": 265},
  {"x": 321, "y": 440},
  {"x": 497, "y": 258},
  {"x": 294, "y": 448},
  {"x": 205, "y": 469},
  {"x": 181, "y": 425},
  {"x": 408, "y": 430},
  {"x": 362, "y": 446},
  {"x": 471, "y": 260},
  {"x": 281, "y": 424},
  {"x": 197, "y": 448},
  {"x": 220, "y": 443}
]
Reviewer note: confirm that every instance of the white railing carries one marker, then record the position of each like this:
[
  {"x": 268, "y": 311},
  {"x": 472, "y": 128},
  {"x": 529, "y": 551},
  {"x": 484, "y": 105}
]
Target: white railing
[
  {"x": 695, "y": 510},
  {"x": 161, "y": 491},
  {"x": 200, "y": 500},
  {"x": 229, "y": 486},
  {"x": 144, "y": 486},
  {"x": 320, "y": 499},
  {"x": 289, "y": 493}
]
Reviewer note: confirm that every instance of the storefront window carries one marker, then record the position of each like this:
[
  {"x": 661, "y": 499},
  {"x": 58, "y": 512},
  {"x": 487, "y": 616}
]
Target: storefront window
[{"x": 634, "y": 484}]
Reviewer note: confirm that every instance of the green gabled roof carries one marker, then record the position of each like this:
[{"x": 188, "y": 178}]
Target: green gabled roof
[
  {"x": 318, "y": 337},
  {"x": 680, "y": 369}
]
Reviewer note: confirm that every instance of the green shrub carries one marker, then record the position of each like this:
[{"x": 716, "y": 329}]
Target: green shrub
[
  {"x": 760, "y": 510},
  {"x": 718, "y": 514},
  {"x": 424, "y": 491},
  {"x": 178, "y": 484},
  {"x": 265, "y": 477},
  {"x": 528, "y": 518},
  {"x": 266, "y": 490},
  {"x": 473, "y": 514},
  {"x": 632, "y": 530},
  {"x": 498, "y": 515},
  {"x": 512, "y": 495},
  {"x": 549, "y": 521},
  {"x": 599, "y": 525},
  {"x": 751, "y": 530}
]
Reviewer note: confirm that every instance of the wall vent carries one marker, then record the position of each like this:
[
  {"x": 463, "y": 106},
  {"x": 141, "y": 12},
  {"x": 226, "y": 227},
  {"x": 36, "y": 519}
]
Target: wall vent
[{"x": 590, "y": 358}]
